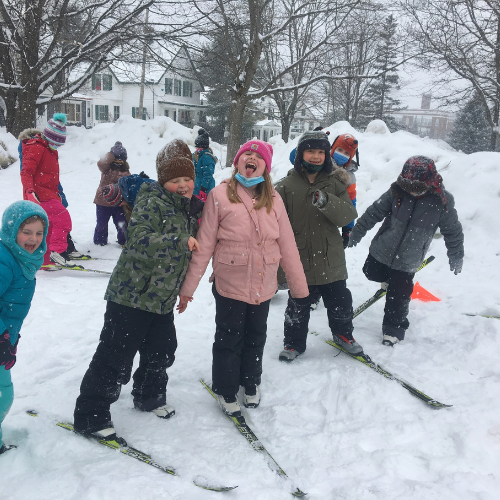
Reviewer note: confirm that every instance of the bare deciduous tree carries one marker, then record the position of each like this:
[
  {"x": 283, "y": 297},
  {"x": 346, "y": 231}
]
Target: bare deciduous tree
[
  {"x": 37, "y": 57},
  {"x": 462, "y": 36}
]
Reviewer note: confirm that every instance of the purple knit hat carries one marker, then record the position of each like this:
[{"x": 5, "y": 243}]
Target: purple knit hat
[
  {"x": 263, "y": 148},
  {"x": 55, "y": 130}
]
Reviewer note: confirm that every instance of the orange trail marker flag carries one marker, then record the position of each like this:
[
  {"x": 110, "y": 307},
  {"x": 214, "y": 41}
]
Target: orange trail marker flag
[{"x": 421, "y": 293}]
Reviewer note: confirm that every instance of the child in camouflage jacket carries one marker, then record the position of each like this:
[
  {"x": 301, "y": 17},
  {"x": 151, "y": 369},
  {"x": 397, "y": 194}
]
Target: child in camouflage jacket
[{"x": 141, "y": 295}]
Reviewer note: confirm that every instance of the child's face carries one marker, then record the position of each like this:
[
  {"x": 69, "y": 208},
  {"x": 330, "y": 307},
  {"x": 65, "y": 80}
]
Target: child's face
[
  {"x": 30, "y": 237},
  {"x": 251, "y": 164},
  {"x": 183, "y": 186},
  {"x": 314, "y": 156}
]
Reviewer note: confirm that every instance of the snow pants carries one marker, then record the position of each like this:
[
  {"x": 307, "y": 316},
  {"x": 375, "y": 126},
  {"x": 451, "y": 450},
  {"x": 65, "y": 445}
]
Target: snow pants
[
  {"x": 103, "y": 214},
  {"x": 240, "y": 337},
  {"x": 397, "y": 304},
  {"x": 126, "y": 331},
  {"x": 338, "y": 302},
  {"x": 6, "y": 396},
  {"x": 59, "y": 227}
]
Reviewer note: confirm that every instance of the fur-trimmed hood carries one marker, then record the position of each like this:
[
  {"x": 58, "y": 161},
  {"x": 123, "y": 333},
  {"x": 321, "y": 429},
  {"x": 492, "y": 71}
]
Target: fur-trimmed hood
[
  {"x": 341, "y": 174},
  {"x": 28, "y": 133}
]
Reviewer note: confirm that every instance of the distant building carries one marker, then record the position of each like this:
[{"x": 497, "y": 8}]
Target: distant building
[
  {"x": 265, "y": 129},
  {"x": 173, "y": 91},
  {"x": 426, "y": 122}
]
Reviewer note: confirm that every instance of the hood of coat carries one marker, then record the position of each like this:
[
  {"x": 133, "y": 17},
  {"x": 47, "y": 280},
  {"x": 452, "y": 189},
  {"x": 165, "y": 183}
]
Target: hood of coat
[
  {"x": 29, "y": 133},
  {"x": 155, "y": 189},
  {"x": 341, "y": 174},
  {"x": 12, "y": 219}
]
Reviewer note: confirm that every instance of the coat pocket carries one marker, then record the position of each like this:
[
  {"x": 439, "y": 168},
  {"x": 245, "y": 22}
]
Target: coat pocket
[{"x": 231, "y": 271}]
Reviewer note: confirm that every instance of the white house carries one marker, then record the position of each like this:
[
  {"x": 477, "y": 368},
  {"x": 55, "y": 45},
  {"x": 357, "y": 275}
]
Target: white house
[{"x": 173, "y": 91}]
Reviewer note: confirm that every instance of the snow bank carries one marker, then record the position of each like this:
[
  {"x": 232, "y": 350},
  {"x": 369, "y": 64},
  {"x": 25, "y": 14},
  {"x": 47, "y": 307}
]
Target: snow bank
[{"x": 338, "y": 429}]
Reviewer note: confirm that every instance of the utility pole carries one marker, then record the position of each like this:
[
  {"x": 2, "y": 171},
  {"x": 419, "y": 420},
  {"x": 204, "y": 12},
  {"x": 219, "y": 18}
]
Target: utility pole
[{"x": 143, "y": 73}]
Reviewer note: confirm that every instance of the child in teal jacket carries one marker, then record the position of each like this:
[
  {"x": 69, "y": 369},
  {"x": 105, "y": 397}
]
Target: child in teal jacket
[{"x": 22, "y": 247}]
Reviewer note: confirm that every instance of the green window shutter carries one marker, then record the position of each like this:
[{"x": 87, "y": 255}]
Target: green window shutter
[
  {"x": 96, "y": 112},
  {"x": 133, "y": 112},
  {"x": 144, "y": 113},
  {"x": 106, "y": 112}
]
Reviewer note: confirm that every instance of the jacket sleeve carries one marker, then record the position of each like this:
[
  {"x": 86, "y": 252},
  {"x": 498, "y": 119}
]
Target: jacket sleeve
[
  {"x": 207, "y": 169},
  {"x": 374, "y": 214},
  {"x": 339, "y": 208},
  {"x": 6, "y": 277},
  {"x": 207, "y": 238},
  {"x": 32, "y": 156},
  {"x": 451, "y": 229},
  {"x": 104, "y": 163},
  {"x": 290, "y": 258},
  {"x": 146, "y": 239}
]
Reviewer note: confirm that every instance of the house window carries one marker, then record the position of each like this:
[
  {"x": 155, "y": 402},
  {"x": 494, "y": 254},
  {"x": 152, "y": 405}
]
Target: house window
[
  {"x": 311, "y": 125},
  {"x": 73, "y": 112},
  {"x": 177, "y": 87},
  {"x": 165, "y": 112},
  {"x": 88, "y": 112},
  {"x": 102, "y": 82},
  {"x": 135, "y": 112},
  {"x": 101, "y": 112},
  {"x": 303, "y": 112},
  {"x": 187, "y": 89},
  {"x": 168, "y": 85},
  {"x": 116, "y": 113},
  {"x": 41, "y": 110}
]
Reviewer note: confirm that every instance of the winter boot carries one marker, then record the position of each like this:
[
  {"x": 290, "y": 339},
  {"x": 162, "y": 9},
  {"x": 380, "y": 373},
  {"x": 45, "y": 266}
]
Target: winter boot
[
  {"x": 76, "y": 255},
  {"x": 349, "y": 344},
  {"x": 63, "y": 259},
  {"x": 7, "y": 447},
  {"x": 165, "y": 411},
  {"x": 288, "y": 354},
  {"x": 108, "y": 435},
  {"x": 251, "y": 396},
  {"x": 229, "y": 405},
  {"x": 389, "y": 340}
]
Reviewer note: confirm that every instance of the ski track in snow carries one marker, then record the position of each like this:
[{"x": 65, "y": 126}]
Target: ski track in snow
[{"x": 337, "y": 428}]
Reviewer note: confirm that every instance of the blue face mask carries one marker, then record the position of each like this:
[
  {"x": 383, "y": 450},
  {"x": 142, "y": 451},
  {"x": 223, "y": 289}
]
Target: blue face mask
[
  {"x": 248, "y": 182},
  {"x": 340, "y": 159}
]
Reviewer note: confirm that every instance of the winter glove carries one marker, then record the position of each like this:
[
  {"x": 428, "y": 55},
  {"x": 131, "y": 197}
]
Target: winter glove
[
  {"x": 353, "y": 239},
  {"x": 7, "y": 350},
  {"x": 456, "y": 265},
  {"x": 30, "y": 193},
  {"x": 319, "y": 199},
  {"x": 345, "y": 236},
  {"x": 144, "y": 175},
  {"x": 202, "y": 195}
]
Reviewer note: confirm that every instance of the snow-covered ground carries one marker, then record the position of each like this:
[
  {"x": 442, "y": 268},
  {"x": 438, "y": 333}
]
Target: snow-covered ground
[{"x": 337, "y": 428}]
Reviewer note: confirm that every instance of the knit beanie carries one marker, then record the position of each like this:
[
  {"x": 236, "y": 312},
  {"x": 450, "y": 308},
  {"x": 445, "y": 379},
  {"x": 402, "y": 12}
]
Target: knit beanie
[
  {"x": 202, "y": 141},
  {"x": 55, "y": 130},
  {"x": 112, "y": 194},
  {"x": 315, "y": 139},
  {"x": 119, "y": 152},
  {"x": 347, "y": 142},
  {"x": 419, "y": 175},
  {"x": 263, "y": 148},
  {"x": 174, "y": 160}
]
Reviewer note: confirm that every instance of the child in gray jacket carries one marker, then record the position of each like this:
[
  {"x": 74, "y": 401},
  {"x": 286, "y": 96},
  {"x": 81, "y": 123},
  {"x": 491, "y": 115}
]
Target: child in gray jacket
[{"x": 414, "y": 207}]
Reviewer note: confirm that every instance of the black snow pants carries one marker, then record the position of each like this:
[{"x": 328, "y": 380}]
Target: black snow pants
[
  {"x": 126, "y": 331},
  {"x": 397, "y": 304},
  {"x": 240, "y": 337},
  {"x": 338, "y": 302}
]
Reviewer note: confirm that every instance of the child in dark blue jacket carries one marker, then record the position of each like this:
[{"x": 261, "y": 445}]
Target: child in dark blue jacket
[{"x": 22, "y": 247}]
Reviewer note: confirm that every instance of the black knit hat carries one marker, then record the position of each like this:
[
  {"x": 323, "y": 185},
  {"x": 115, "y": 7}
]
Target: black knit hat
[
  {"x": 313, "y": 140},
  {"x": 202, "y": 140}
]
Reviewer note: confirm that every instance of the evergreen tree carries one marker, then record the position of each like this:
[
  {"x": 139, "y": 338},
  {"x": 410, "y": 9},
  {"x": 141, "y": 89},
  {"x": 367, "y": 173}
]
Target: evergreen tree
[
  {"x": 378, "y": 102},
  {"x": 471, "y": 132}
]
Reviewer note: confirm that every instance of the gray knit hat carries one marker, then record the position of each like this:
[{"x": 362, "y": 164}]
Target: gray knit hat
[{"x": 313, "y": 140}]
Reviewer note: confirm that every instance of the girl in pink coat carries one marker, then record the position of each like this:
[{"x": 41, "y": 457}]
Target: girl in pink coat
[{"x": 246, "y": 231}]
